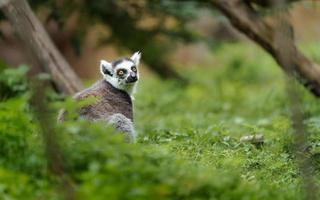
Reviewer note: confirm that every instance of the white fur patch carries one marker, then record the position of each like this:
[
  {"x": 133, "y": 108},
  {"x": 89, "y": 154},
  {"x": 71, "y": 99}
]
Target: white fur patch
[
  {"x": 118, "y": 83},
  {"x": 126, "y": 64},
  {"x": 121, "y": 84},
  {"x": 136, "y": 58}
]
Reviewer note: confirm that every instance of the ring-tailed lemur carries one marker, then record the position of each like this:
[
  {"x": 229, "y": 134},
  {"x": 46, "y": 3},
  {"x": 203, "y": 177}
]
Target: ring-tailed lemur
[{"x": 114, "y": 95}]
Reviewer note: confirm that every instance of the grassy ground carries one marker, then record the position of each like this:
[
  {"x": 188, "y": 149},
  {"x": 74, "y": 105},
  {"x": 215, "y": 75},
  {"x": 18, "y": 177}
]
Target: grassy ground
[{"x": 188, "y": 145}]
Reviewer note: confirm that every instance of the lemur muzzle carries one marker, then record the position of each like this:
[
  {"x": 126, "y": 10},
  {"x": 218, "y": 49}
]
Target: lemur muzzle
[{"x": 132, "y": 78}]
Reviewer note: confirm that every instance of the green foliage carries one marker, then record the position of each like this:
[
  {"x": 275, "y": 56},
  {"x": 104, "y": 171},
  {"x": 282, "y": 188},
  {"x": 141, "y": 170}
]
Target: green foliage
[
  {"x": 188, "y": 145},
  {"x": 14, "y": 186},
  {"x": 12, "y": 81}
]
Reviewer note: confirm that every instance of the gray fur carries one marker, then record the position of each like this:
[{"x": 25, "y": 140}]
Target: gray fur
[
  {"x": 111, "y": 105},
  {"x": 109, "y": 101},
  {"x": 129, "y": 68},
  {"x": 113, "y": 102},
  {"x": 124, "y": 125}
]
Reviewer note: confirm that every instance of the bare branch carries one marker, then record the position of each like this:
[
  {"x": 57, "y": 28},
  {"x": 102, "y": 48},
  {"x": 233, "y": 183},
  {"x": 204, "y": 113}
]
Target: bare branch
[
  {"x": 244, "y": 18},
  {"x": 38, "y": 43},
  {"x": 284, "y": 39},
  {"x": 268, "y": 3}
]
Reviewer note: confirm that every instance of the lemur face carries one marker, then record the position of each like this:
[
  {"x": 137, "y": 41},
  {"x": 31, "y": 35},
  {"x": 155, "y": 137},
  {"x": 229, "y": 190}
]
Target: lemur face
[
  {"x": 126, "y": 71},
  {"x": 122, "y": 73}
]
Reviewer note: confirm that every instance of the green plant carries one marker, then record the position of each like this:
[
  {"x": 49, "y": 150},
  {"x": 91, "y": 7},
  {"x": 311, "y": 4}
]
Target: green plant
[
  {"x": 13, "y": 81},
  {"x": 188, "y": 140}
]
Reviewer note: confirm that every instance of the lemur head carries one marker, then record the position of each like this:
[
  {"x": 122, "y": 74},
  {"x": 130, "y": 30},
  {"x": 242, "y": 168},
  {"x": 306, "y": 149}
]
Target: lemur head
[{"x": 122, "y": 73}]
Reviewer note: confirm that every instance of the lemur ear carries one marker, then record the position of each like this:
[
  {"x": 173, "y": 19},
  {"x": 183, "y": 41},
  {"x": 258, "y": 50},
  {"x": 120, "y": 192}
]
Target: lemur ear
[
  {"x": 105, "y": 68},
  {"x": 136, "y": 58}
]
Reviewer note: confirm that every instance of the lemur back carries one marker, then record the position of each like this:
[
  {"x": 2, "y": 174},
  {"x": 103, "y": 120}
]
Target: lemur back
[{"x": 109, "y": 101}]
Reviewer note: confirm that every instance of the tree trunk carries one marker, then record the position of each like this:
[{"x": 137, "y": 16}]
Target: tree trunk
[
  {"x": 38, "y": 43},
  {"x": 244, "y": 18}
]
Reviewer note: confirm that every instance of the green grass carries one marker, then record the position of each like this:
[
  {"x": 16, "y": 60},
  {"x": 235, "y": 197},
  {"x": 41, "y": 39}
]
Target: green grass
[{"x": 188, "y": 145}]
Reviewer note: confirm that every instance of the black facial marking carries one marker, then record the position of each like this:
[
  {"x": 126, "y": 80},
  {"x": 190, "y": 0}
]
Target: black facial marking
[
  {"x": 134, "y": 68},
  {"x": 121, "y": 73},
  {"x": 120, "y": 60},
  {"x": 106, "y": 71}
]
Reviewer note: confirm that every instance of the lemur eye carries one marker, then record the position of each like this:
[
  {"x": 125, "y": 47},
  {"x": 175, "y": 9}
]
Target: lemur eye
[
  {"x": 121, "y": 72},
  {"x": 134, "y": 69}
]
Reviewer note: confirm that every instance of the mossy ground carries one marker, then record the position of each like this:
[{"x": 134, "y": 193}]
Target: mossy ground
[{"x": 188, "y": 145}]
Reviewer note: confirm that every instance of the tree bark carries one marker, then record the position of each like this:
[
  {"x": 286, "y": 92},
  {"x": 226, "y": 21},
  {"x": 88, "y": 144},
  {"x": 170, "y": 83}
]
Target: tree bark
[
  {"x": 244, "y": 18},
  {"x": 41, "y": 48},
  {"x": 268, "y": 3}
]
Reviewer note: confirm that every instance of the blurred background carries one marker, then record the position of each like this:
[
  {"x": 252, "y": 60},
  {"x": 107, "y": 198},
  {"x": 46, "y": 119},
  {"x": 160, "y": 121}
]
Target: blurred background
[
  {"x": 205, "y": 92},
  {"x": 172, "y": 35}
]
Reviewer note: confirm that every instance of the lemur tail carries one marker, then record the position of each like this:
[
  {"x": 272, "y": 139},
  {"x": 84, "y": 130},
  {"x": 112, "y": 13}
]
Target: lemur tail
[{"x": 124, "y": 125}]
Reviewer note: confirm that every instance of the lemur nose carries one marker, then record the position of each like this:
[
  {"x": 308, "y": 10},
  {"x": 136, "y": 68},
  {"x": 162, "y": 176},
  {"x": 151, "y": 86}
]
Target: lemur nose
[
  {"x": 133, "y": 74},
  {"x": 132, "y": 77}
]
